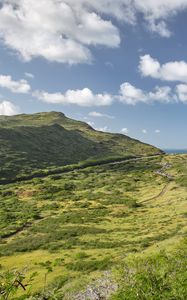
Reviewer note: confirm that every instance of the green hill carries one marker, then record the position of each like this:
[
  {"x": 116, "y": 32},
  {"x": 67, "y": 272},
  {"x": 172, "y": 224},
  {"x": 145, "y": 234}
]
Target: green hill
[{"x": 45, "y": 140}]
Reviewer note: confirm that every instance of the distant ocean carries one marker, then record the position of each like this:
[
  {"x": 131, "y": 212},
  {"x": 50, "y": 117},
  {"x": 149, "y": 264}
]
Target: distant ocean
[{"x": 175, "y": 151}]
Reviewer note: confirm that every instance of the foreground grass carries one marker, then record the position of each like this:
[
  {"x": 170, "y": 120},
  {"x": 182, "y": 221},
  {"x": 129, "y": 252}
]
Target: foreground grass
[
  {"x": 85, "y": 222},
  {"x": 158, "y": 276}
]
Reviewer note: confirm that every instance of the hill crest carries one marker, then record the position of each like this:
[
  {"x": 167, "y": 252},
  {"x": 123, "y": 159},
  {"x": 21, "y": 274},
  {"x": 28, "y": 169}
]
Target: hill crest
[{"x": 31, "y": 142}]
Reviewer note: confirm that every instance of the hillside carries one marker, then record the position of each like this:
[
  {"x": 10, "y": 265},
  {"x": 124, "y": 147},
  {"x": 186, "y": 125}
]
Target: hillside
[
  {"x": 45, "y": 140},
  {"x": 87, "y": 232}
]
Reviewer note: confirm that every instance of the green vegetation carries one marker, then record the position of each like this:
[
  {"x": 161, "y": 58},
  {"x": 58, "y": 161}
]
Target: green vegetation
[
  {"x": 73, "y": 208},
  {"x": 160, "y": 276},
  {"x": 44, "y": 141},
  {"x": 68, "y": 229}
]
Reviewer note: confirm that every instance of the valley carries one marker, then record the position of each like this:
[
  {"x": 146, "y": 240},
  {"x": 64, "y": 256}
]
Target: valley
[{"x": 71, "y": 229}]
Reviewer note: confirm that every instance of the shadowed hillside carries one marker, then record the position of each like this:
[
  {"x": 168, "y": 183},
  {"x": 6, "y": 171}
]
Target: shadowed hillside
[{"x": 44, "y": 140}]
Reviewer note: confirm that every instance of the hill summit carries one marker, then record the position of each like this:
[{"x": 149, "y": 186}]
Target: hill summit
[{"x": 29, "y": 142}]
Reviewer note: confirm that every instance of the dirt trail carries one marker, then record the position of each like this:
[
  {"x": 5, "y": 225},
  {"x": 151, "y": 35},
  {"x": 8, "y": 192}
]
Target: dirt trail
[
  {"x": 162, "y": 192},
  {"x": 162, "y": 172}
]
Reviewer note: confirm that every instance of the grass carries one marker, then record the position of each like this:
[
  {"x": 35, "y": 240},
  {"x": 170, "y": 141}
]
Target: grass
[
  {"x": 157, "y": 276},
  {"x": 91, "y": 220}
]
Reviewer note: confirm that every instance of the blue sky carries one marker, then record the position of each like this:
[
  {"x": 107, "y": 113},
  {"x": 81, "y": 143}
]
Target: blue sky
[{"x": 119, "y": 65}]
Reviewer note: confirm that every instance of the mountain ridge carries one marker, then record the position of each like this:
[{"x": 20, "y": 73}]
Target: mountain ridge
[{"x": 38, "y": 141}]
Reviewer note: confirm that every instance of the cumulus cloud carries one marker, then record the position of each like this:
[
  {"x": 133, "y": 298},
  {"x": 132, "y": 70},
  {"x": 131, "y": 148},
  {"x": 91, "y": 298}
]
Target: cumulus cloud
[
  {"x": 132, "y": 95},
  {"x": 160, "y": 9},
  {"x": 170, "y": 71},
  {"x": 157, "y": 12},
  {"x": 20, "y": 86},
  {"x": 149, "y": 66},
  {"x": 160, "y": 28},
  {"x": 65, "y": 30},
  {"x": 8, "y": 109},
  {"x": 181, "y": 90},
  {"x": 84, "y": 97},
  {"x": 60, "y": 31},
  {"x": 124, "y": 130},
  {"x": 96, "y": 114},
  {"x": 128, "y": 94}
]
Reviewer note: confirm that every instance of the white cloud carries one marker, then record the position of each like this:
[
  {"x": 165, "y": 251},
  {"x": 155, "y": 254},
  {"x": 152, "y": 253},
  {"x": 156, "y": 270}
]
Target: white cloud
[
  {"x": 157, "y": 130},
  {"x": 161, "y": 94},
  {"x": 181, "y": 90},
  {"x": 8, "y": 109},
  {"x": 124, "y": 130},
  {"x": 29, "y": 75},
  {"x": 160, "y": 9},
  {"x": 96, "y": 114},
  {"x": 160, "y": 28},
  {"x": 144, "y": 131},
  {"x": 129, "y": 94},
  {"x": 149, "y": 66},
  {"x": 60, "y": 31},
  {"x": 20, "y": 86},
  {"x": 92, "y": 124},
  {"x": 84, "y": 97},
  {"x": 103, "y": 129},
  {"x": 65, "y": 30},
  {"x": 157, "y": 12},
  {"x": 171, "y": 71}
]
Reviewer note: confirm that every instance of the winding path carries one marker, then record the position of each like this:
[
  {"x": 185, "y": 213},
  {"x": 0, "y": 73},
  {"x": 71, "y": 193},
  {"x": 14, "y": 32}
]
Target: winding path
[
  {"x": 162, "y": 172},
  {"x": 162, "y": 192}
]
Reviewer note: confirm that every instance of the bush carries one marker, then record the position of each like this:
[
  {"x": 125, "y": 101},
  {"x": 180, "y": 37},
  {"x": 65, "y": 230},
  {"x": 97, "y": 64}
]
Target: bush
[{"x": 69, "y": 186}]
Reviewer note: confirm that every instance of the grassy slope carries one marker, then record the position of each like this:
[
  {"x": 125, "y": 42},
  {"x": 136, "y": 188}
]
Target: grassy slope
[
  {"x": 44, "y": 140},
  {"x": 84, "y": 222}
]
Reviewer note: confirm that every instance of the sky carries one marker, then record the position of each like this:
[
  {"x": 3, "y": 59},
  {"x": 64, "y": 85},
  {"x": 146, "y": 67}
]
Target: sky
[{"x": 120, "y": 66}]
